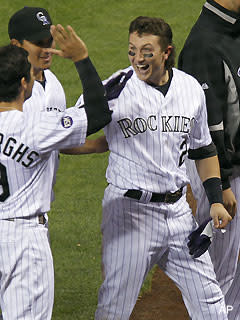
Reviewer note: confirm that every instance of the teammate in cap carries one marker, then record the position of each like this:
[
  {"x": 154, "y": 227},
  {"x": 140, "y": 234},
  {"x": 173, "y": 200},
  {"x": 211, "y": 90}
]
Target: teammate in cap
[
  {"x": 159, "y": 116},
  {"x": 26, "y": 268},
  {"x": 215, "y": 63},
  {"x": 29, "y": 28}
]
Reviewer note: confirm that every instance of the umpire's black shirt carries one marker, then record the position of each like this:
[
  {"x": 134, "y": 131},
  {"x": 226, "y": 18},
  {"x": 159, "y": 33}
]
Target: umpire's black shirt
[{"x": 212, "y": 55}]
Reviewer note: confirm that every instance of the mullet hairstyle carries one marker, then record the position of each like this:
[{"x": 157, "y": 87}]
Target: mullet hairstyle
[
  {"x": 158, "y": 27},
  {"x": 14, "y": 66}
]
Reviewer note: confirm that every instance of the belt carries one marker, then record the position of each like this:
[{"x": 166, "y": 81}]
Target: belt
[
  {"x": 41, "y": 219},
  {"x": 156, "y": 197}
]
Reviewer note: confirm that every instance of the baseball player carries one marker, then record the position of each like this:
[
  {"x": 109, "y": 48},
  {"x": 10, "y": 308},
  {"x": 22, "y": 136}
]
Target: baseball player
[
  {"x": 215, "y": 63},
  {"x": 159, "y": 115},
  {"x": 26, "y": 144},
  {"x": 29, "y": 28}
]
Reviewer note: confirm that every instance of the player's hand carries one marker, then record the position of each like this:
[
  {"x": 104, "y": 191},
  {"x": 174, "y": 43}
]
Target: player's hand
[
  {"x": 71, "y": 46},
  {"x": 115, "y": 85},
  {"x": 219, "y": 215},
  {"x": 230, "y": 202}
]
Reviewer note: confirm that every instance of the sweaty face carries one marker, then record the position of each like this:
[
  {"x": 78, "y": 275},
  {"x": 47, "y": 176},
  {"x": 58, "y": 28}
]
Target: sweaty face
[
  {"x": 147, "y": 58},
  {"x": 38, "y": 54}
]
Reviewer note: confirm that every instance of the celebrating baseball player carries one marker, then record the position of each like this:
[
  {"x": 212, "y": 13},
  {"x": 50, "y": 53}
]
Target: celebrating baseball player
[
  {"x": 26, "y": 268},
  {"x": 215, "y": 63},
  {"x": 159, "y": 116},
  {"x": 29, "y": 28}
]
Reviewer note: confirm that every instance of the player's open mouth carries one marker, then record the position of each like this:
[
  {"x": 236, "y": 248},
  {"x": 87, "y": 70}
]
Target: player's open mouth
[
  {"x": 142, "y": 67},
  {"x": 47, "y": 58}
]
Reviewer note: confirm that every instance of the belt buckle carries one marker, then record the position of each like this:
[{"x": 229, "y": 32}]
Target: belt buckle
[
  {"x": 41, "y": 219},
  {"x": 173, "y": 197},
  {"x": 169, "y": 198}
]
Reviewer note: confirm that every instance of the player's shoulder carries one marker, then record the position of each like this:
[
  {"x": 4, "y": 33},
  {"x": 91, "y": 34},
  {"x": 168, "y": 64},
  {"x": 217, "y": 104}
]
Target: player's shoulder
[
  {"x": 201, "y": 43},
  {"x": 185, "y": 78},
  {"x": 118, "y": 73},
  {"x": 50, "y": 76}
]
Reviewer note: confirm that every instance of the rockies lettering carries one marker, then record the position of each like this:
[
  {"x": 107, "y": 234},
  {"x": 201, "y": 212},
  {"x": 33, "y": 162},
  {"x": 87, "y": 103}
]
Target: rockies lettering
[{"x": 131, "y": 127}]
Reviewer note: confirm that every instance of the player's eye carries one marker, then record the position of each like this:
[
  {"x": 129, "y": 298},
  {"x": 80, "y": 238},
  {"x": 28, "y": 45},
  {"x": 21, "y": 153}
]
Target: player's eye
[
  {"x": 148, "y": 55},
  {"x": 46, "y": 43},
  {"x": 131, "y": 53}
]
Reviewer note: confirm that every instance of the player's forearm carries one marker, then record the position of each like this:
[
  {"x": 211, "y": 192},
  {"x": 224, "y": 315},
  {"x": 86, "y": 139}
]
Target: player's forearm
[
  {"x": 209, "y": 172},
  {"x": 95, "y": 100},
  {"x": 208, "y": 168},
  {"x": 98, "y": 145},
  {"x": 224, "y": 159}
]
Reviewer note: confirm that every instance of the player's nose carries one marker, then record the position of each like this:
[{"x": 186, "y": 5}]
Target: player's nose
[{"x": 139, "y": 56}]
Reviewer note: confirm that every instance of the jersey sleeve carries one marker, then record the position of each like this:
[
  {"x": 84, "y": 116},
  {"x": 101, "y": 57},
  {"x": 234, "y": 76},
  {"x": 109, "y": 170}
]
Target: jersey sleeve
[
  {"x": 201, "y": 145},
  {"x": 207, "y": 66},
  {"x": 60, "y": 130}
]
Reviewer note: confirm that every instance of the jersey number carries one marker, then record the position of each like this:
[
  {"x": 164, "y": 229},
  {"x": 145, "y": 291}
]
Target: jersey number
[
  {"x": 3, "y": 184},
  {"x": 183, "y": 147}
]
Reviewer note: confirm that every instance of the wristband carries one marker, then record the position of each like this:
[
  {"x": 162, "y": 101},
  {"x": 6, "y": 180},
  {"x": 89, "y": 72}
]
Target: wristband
[{"x": 213, "y": 189}]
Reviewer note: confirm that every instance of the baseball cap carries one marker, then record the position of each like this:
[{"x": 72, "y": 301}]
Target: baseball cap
[{"x": 30, "y": 23}]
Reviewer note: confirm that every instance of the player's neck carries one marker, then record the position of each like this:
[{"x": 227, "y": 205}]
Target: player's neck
[
  {"x": 8, "y": 106},
  {"x": 16, "y": 104},
  {"x": 229, "y": 5},
  {"x": 161, "y": 79},
  {"x": 39, "y": 74}
]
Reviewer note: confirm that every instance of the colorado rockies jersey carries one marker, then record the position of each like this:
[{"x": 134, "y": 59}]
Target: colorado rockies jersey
[
  {"x": 26, "y": 145},
  {"x": 50, "y": 97},
  {"x": 211, "y": 55},
  {"x": 144, "y": 117}
]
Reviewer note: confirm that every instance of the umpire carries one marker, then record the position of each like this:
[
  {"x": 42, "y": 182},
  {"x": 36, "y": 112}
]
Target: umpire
[{"x": 211, "y": 54}]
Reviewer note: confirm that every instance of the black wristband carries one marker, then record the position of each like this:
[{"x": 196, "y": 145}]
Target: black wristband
[
  {"x": 213, "y": 189},
  {"x": 95, "y": 100}
]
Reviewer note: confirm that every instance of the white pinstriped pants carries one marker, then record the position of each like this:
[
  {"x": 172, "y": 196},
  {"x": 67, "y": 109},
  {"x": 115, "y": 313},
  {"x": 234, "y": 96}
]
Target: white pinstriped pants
[
  {"x": 26, "y": 271},
  {"x": 224, "y": 250},
  {"x": 138, "y": 235}
]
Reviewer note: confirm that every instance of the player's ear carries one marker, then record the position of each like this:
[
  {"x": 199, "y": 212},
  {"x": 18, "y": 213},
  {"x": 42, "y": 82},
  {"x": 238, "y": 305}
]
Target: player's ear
[
  {"x": 15, "y": 42},
  {"x": 168, "y": 51},
  {"x": 24, "y": 83}
]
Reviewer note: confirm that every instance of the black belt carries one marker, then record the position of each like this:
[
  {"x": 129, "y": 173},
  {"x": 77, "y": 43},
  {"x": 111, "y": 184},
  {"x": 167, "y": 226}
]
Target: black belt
[
  {"x": 41, "y": 219},
  {"x": 156, "y": 197}
]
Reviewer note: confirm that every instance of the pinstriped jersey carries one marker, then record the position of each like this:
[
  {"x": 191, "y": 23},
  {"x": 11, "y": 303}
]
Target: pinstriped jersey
[
  {"x": 150, "y": 133},
  {"x": 50, "y": 98},
  {"x": 215, "y": 64},
  {"x": 26, "y": 145}
]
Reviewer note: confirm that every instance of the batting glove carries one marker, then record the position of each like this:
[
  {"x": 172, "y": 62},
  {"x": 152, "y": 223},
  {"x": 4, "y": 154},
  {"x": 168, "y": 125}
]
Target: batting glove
[
  {"x": 200, "y": 239},
  {"x": 115, "y": 85}
]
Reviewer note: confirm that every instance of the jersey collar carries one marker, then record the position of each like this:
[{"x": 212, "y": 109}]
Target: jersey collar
[{"x": 219, "y": 19}]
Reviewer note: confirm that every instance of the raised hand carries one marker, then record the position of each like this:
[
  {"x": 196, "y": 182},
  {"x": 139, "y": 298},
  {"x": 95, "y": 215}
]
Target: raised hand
[{"x": 70, "y": 44}]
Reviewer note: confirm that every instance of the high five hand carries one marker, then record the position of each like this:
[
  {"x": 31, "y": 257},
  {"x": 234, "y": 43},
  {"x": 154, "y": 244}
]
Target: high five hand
[{"x": 70, "y": 44}]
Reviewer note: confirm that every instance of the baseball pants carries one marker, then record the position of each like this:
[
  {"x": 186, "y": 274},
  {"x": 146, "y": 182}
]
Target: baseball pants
[
  {"x": 26, "y": 270},
  {"x": 136, "y": 236},
  {"x": 224, "y": 250}
]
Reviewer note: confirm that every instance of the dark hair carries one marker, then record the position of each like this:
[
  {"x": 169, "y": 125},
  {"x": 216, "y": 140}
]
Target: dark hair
[
  {"x": 14, "y": 65},
  {"x": 157, "y": 27}
]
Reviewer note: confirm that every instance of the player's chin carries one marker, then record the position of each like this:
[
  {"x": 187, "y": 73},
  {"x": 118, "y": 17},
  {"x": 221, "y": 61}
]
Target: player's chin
[
  {"x": 46, "y": 63},
  {"x": 143, "y": 77},
  {"x": 143, "y": 74}
]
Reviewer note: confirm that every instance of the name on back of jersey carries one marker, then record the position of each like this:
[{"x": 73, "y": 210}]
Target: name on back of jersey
[{"x": 17, "y": 151}]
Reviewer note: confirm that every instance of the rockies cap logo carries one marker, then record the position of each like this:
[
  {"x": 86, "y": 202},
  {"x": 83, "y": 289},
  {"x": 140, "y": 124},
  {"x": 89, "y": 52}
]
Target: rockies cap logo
[
  {"x": 238, "y": 73},
  {"x": 40, "y": 16},
  {"x": 67, "y": 122}
]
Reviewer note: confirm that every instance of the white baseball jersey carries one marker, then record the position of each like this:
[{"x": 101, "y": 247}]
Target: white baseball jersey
[
  {"x": 149, "y": 138},
  {"x": 26, "y": 146},
  {"x": 150, "y": 133},
  {"x": 49, "y": 98}
]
